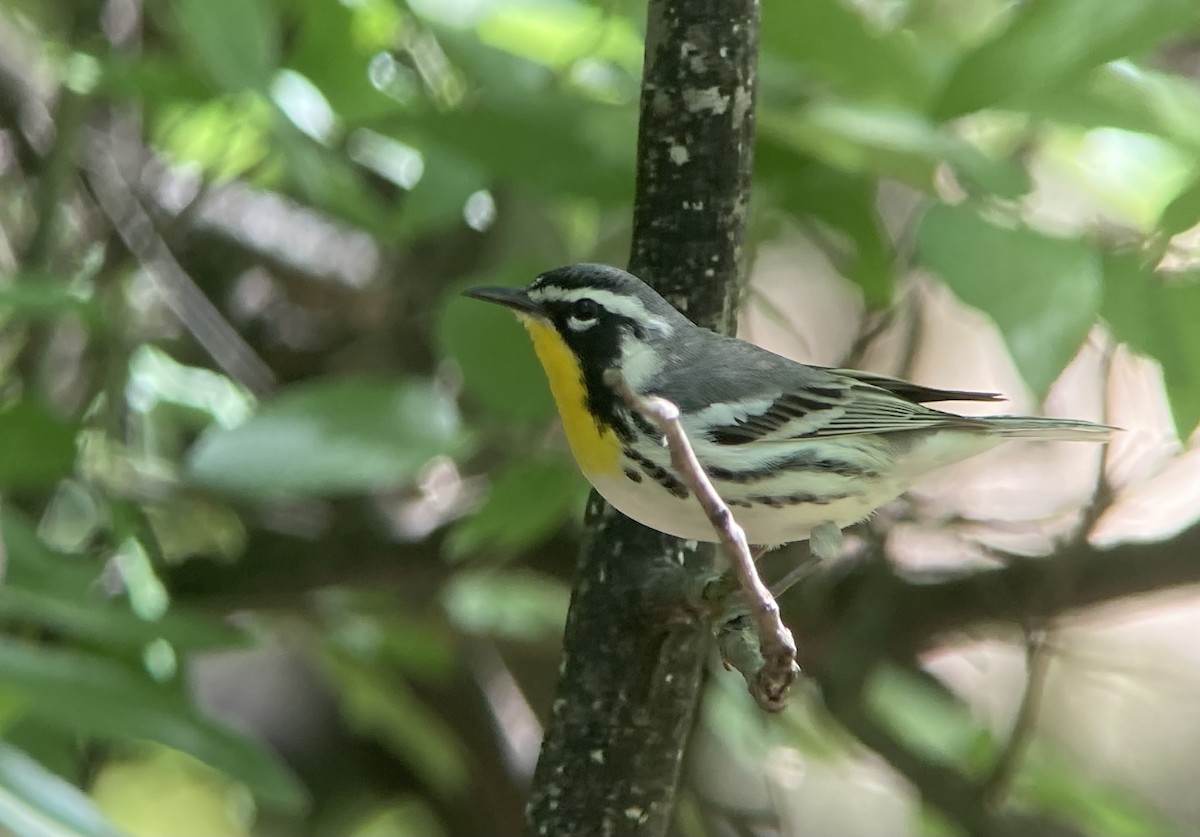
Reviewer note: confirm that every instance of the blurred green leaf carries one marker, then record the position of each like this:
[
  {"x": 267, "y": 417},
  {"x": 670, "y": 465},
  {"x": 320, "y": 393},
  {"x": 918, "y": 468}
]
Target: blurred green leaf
[
  {"x": 331, "y": 436},
  {"x": 925, "y": 715},
  {"x": 38, "y": 448},
  {"x": 840, "y": 199},
  {"x": 96, "y": 696},
  {"x": 1051, "y": 42},
  {"x": 438, "y": 198},
  {"x": 593, "y": 153},
  {"x": 527, "y": 502},
  {"x": 407, "y": 817},
  {"x": 34, "y": 801},
  {"x": 1094, "y": 807},
  {"x": 514, "y": 604},
  {"x": 1042, "y": 292},
  {"x": 560, "y": 34},
  {"x": 1158, "y": 317},
  {"x": 328, "y": 181},
  {"x": 891, "y": 142},
  {"x": 113, "y": 623},
  {"x": 493, "y": 351},
  {"x": 45, "y": 298},
  {"x": 235, "y": 41},
  {"x": 1125, "y": 96},
  {"x": 227, "y": 137},
  {"x": 834, "y": 42},
  {"x": 63, "y": 592},
  {"x": 152, "y": 790},
  {"x": 379, "y": 701},
  {"x": 355, "y": 32},
  {"x": 1183, "y": 212}
]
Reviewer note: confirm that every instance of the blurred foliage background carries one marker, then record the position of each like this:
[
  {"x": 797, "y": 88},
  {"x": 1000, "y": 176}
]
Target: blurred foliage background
[{"x": 288, "y": 527}]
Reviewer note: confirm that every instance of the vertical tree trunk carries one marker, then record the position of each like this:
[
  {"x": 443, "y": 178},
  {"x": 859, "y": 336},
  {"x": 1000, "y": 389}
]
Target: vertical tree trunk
[{"x": 631, "y": 673}]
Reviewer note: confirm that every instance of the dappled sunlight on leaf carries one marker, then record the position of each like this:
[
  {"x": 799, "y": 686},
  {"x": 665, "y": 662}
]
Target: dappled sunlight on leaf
[{"x": 331, "y": 437}]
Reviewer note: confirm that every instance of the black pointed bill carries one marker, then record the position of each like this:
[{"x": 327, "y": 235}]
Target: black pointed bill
[{"x": 514, "y": 298}]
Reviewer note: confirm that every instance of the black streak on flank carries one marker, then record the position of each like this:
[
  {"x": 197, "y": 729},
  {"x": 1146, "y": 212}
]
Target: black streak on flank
[
  {"x": 659, "y": 474},
  {"x": 779, "y": 501},
  {"x": 633, "y": 475},
  {"x": 801, "y": 462}
]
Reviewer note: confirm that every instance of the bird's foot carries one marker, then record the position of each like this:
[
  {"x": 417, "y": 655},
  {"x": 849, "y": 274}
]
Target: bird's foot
[{"x": 825, "y": 541}]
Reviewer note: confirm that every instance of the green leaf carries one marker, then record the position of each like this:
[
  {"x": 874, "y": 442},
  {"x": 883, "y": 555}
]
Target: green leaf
[
  {"x": 1042, "y": 292},
  {"x": 63, "y": 592},
  {"x": 45, "y": 298},
  {"x": 235, "y": 41},
  {"x": 557, "y": 35},
  {"x": 1183, "y": 212},
  {"x": 527, "y": 502},
  {"x": 342, "y": 29},
  {"x": 592, "y": 155},
  {"x": 844, "y": 201},
  {"x": 493, "y": 352},
  {"x": 38, "y": 448},
  {"x": 890, "y": 142},
  {"x": 96, "y": 696},
  {"x": 518, "y": 604},
  {"x": 35, "y": 801},
  {"x": 330, "y": 437},
  {"x": 1131, "y": 98},
  {"x": 377, "y": 700},
  {"x": 1050, "y": 42},
  {"x": 1056, "y": 786},
  {"x": 924, "y": 715},
  {"x": 112, "y": 623},
  {"x": 835, "y": 43},
  {"x": 1159, "y": 319}
]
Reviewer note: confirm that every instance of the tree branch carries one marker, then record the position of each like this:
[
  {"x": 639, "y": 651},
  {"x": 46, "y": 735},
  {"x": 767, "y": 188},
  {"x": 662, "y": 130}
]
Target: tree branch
[
  {"x": 770, "y": 675},
  {"x": 931, "y": 609},
  {"x": 633, "y": 657}
]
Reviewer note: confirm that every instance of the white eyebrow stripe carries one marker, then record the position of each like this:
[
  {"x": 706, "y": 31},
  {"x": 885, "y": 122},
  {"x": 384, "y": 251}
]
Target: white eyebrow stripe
[{"x": 626, "y": 306}]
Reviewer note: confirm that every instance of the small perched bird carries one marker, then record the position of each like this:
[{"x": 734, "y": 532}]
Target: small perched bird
[{"x": 795, "y": 451}]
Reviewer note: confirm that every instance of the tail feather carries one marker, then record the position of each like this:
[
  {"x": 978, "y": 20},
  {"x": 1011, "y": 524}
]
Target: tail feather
[{"x": 1049, "y": 429}]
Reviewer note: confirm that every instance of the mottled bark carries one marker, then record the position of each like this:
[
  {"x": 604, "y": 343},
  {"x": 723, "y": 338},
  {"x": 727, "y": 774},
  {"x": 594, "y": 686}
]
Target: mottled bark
[{"x": 632, "y": 661}]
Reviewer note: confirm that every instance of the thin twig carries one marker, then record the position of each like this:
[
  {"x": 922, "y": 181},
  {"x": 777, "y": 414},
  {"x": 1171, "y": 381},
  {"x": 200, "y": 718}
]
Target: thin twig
[
  {"x": 1037, "y": 666},
  {"x": 770, "y": 682},
  {"x": 117, "y": 199}
]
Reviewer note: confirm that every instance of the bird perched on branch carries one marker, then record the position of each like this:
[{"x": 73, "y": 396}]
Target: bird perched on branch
[{"x": 795, "y": 451}]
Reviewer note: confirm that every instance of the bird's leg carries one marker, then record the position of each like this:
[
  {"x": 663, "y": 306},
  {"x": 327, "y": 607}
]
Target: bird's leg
[{"x": 825, "y": 541}]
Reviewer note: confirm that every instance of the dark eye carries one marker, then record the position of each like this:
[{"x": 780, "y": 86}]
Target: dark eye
[{"x": 585, "y": 309}]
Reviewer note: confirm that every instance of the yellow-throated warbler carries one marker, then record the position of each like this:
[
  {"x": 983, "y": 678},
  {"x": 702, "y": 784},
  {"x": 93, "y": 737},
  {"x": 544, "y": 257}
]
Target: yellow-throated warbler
[{"x": 790, "y": 448}]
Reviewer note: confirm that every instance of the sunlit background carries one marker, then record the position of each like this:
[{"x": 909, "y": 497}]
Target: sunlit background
[{"x": 289, "y": 527}]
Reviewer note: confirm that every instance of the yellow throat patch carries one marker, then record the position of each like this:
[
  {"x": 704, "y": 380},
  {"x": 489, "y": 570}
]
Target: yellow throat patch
[{"x": 596, "y": 448}]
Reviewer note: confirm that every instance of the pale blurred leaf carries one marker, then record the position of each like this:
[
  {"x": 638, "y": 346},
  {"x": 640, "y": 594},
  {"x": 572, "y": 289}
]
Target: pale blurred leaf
[
  {"x": 520, "y": 605},
  {"x": 34, "y": 801}
]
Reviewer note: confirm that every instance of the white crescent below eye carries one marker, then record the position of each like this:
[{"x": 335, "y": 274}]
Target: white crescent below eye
[{"x": 576, "y": 324}]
